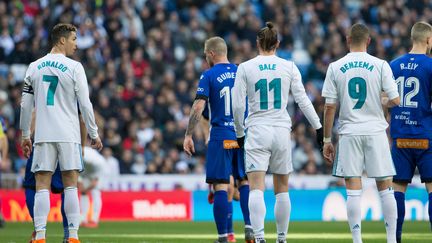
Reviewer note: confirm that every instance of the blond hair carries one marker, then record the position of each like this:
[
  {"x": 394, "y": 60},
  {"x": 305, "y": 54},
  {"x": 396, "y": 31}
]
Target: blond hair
[
  {"x": 421, "y": 31},
  {"x": 217, "y": 45}
]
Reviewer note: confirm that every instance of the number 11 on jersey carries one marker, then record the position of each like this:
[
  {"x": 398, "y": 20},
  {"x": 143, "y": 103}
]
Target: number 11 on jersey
[{"x": 274, "y": 85}]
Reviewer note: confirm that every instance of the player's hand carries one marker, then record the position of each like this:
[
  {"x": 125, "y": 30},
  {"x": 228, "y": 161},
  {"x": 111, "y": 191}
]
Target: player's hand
[
  {"x": 26, "y": 145},
  {"x": 188, "y": 145},
  {"x": 96, "y": 144},
  {"x": 329, "y": 153},
  {"x": 319, "y": 137},
  {"x": 240, "y": 141}
]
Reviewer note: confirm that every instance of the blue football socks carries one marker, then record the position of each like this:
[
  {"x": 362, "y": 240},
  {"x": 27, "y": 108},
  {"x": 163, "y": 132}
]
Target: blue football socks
[
  {"x": 244, "y": 201},
  {"x": 400, "y": 202},
  {"x": 220, "y": 212},
  {"x": 230, "y": 218}
]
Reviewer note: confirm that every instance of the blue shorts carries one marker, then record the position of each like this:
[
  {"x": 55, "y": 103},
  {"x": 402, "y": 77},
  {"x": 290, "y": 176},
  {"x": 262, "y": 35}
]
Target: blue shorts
[
  {"x": 221, "y": 163},
  {"x": 30, "y": 181},
  {"x": 407, "y": 159}
]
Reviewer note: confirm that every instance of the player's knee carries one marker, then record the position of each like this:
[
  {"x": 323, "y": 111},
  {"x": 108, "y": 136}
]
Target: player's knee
[
  {"x": 384, "y": 183},
  {"x": 221, "y": 187},
  {"x": 43, "y": 180},
  {"x": 243, "y": 182},
  {"x": 70, "y": 178}
]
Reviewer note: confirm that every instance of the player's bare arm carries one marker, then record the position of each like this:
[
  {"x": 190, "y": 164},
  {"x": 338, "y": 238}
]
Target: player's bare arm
[
  {"x": 389, "y": 103},
  {"x": 205, "y": 126},
  {"x": 328, "y": 149},
  {"x": 393, "y": 102},
  {"x": 194, "y": 118}
]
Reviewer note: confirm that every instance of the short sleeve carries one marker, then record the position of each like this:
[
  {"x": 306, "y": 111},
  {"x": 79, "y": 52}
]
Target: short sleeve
[
  {"x": 203, "y": 90},
  {"x": 329, "y": 89},
  {"x": 388, "y": 83}
]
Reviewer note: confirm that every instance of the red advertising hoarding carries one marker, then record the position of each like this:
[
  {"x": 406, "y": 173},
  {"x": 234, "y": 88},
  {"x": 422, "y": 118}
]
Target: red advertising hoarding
[{"x": 146, "y": 206}]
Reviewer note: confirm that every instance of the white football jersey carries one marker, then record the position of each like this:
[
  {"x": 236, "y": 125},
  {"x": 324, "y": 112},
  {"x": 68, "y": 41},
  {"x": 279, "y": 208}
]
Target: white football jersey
[
  {"x": 356, "y": 82},
  {"x": 267, "y": 81},
  {"x": 56, "y": 85}
]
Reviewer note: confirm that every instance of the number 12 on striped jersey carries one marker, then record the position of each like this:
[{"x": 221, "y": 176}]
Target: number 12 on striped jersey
[
  {"x": 406, "y": 99},
  {"x": 53, "y": 81},
  {"x": 274, "y": 85}
]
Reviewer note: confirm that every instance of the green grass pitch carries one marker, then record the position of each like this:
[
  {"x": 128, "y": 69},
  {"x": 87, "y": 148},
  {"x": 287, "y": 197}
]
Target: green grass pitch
[{"x": 154, "y": 232}]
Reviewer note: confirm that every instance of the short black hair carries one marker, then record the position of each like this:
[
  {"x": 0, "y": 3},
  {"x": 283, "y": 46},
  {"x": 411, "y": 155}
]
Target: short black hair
[
  {"x": 61, "y": 30},
  {"x": 359, "y": 33}
]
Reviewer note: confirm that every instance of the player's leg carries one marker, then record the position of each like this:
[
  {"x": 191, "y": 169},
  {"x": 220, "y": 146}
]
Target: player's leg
[
  {"x": 256, "y": 202},
  {"x": 230, "y": 229},
  {"x": 210, "y": 196},
  {"x": 425, "y": 169},
  {"x": 97, "y": 205},
  {"x": 244, "y": 201},
  {"x": 220, "y": 211},
  {"x": 84, "y": 200},
  {"x": 281, "y": 166},
  {"x": 57, "y": 188},
  {"x": 70, "y": 164},
  {"x": 71, "y": 204},
  {"x": 29, "y": 184},
  {"x": 349, "y": 164},
  {"x": 41, "y": 203},
  {"x": 404, "y": 162},
  {"x": 218, "y": 171},
  {"x": 30, "y": 197},
  {"x": 354, "y": 192},
  {"x": 379, "y": 165},
  {"x": 239, "y": 174},
  {"x": 389, "y": 207},
  {"x": 429, "y": 191},
  {"x": 257, "y": 155},
  {"x": 64, "y": 220},
  {"x": 282, "y": 208},
  {"x": 399, "y": 194},
  {"x": 44, "y": 164}
]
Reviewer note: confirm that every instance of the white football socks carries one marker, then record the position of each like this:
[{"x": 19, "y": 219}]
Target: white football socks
[
  {"x": 97, "y": 204},
  {"x": 354, "y": 214},
  {"x": 282, "y": 211},
  {"x": 72, "y": 210},
  {"x": 41, "y": 210},
  {"x": 84, "y": 205},
  {"x": 257, "y": 212},
  {"x": 389, "y": 208}
]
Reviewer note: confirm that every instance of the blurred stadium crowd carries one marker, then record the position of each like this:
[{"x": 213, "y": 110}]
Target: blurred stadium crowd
[{"x": 143, "y": 59}]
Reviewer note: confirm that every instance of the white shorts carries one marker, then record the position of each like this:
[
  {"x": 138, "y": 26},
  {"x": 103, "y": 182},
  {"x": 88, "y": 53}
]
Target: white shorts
[
  {"x": 46, "y": 155},
  {"x": 268, "y": 148},
  {"x": 357, "y": 153}
]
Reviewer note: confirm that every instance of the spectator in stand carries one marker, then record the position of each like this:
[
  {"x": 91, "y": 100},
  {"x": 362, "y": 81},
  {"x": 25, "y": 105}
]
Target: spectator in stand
[{"x": 143, "y": 58}]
